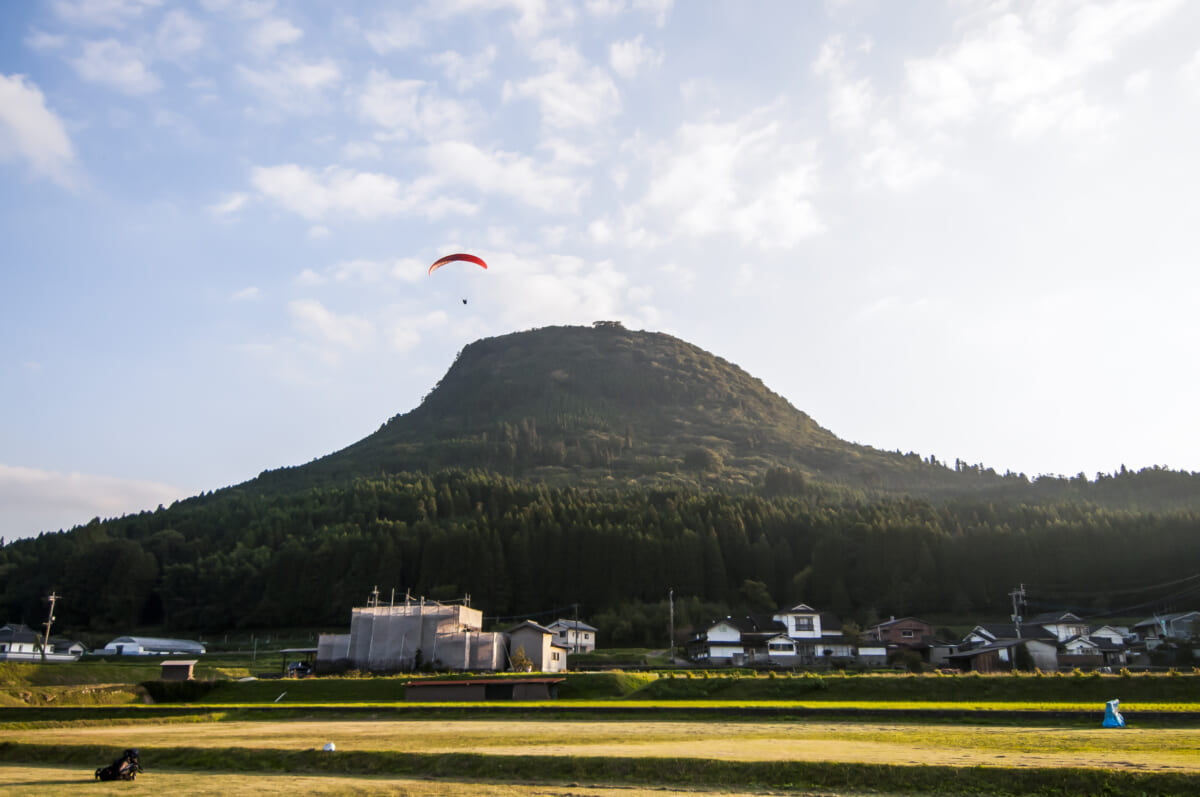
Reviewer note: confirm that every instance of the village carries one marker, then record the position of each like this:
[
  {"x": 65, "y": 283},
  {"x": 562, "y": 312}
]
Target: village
[{"x": 422, "y": 634}]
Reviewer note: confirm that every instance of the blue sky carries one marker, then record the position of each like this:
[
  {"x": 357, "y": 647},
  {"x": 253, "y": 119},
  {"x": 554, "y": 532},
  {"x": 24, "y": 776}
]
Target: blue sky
[{"x": 966, "y": 229}]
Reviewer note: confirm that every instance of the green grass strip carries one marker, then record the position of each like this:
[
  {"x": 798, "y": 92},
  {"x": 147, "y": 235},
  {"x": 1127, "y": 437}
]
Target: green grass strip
[{"x": 676, "y": 772}]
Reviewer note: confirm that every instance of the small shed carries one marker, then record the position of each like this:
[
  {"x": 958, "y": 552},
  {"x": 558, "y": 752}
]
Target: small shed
[
  {"x": 481, "y": 689},
  {"x": 179, "y": 670}
]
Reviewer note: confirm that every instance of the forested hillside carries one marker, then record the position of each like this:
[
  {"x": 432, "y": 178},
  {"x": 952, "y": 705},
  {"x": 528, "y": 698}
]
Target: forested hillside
[
  {"x": 604, "y": 467},
  {"x": 243, "y": 559}
]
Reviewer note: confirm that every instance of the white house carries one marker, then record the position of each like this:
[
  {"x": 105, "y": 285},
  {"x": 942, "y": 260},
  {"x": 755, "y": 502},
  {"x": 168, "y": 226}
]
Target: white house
[
  {"x": 150, "y": 646},
  {"x": 1063, "y": 625},
  {"x": 796, "y": 636},
  {"x": 20, "y": 643},
  {"x": 573, "y": 635},
  {"x": 720, "y": 643},
  {"x": 537, "y": 643}
]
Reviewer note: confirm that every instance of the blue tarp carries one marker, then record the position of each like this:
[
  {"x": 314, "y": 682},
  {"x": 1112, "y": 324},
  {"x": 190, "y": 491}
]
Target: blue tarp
[{"x": 1112, "y": 717}]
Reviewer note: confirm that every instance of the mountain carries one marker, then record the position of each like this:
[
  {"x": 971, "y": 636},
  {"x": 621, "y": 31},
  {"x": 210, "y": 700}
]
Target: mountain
[{"x": 606, "y": 405}]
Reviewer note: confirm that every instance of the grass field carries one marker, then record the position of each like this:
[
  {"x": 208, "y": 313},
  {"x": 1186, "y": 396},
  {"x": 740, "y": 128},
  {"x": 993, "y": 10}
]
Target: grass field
[{"x": 632, "y": 732}]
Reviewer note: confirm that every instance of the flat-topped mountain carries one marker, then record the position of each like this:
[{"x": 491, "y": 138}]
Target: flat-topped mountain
[{"x": 603, "y": 404}]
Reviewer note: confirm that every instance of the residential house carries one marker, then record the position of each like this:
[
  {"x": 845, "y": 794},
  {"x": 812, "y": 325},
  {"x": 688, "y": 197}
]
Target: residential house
[
  {"x": 789, "y": 637},
  {"x": 538, "y": 645},
  {"x": 19, "y": 642},
  {"x": 573, "y": 635},
  {"x": 1001, "y": 656},
  {"x": 1178, "y": 626},
  {"x": 1064, "y": 625},
  {"x": 906, "y": 632}
]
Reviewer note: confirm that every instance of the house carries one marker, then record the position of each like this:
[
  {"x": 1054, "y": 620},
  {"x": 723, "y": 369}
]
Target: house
[
  {"x": 1064, "y": 625},
  {"x": 538, "y": 645},
  {"x": 720, "y": 643},
  {"x": 907, "y": 632},
  {"x": 1081, "y": 652},
  {"x": 150, "y": 646},
  {"x": 573, "y": 635},
  {"x": 19, "y": 642},
  {"x": 1001, "y": 656},
  {"x": 789, "y": 637},
  {"x": 1154, "y": 631},
  {"x": 989, "y": 633}
]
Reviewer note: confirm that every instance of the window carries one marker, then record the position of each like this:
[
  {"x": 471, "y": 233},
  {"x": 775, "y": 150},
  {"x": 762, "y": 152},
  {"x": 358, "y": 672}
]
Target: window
[
  {"x": 804, "y": 624},
  {"x": 906, "y": 633},
  {"x": 554, "y": 655}
]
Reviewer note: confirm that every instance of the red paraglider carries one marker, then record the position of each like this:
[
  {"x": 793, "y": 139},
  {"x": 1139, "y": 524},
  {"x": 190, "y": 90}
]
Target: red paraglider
[{"x": 441, "y": 261}]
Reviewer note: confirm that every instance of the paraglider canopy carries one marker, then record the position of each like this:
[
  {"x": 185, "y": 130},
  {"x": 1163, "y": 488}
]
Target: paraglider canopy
[{"x": 441, "y": 261}]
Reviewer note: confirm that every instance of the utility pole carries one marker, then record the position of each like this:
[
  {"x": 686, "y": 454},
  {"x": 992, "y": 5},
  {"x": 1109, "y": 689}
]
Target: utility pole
[
  {"x": 1017, "y": 594},
  {"x": 49, "y": 620},
  {"x": 671, "y": 601}
]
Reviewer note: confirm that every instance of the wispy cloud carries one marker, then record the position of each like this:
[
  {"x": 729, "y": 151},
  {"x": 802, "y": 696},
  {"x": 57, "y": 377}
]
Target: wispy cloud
[
  {"x": 102, "y": 13},
  {"x": 271, "y": 33},
  {"x": 338, "y": 191},
  {"x": 31, "y": 132},
  {"x": 40, "y": 500},
  {"x": 112, "y": 64},
  {"x": 326, "y": 327},
  {"x": 294, "y": 85},
  {"x": 628, "y": 58},
  {"x": 571, "y": 93}
]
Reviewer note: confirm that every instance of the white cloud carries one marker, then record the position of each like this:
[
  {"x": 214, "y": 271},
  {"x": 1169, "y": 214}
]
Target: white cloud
[
  {"x": 504, "y": 173},
  {"x": 367, "y": 195},
  {"x": 533, "y": 16},
  {"x": 659, "y": 9},
  {"x": 396, "y": 32},
  {"x": 571, "y": 93},
  {"x": 752, "y": 178},
  {"x": 31, "y": 131},
  {"x": 248, "y": 294},
  {"x": 294, "y": 85},
  {"x": 37, "y": 500},
  {"x": 1029, "y": 65},
  {"x": 851, "y": 99},
  {"x": 466, "y": 72},
  {"x": 102, "y": 13},
  {"x": 326, "y": 327},
  {"x": 112, "y": 64},
  {"x": 318, "y": 232},
  {"x": 43, "y": 42},
  {"x": 412, "y": 107},
  {"x": 270, "y": 34},
  {"x": 178, "y": 36},
  {"x": 627, "y": 58},
  {"x": 229, "y": 205}
]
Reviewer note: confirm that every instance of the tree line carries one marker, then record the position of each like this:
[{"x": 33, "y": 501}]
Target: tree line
[{"x": 247, "y": 557}]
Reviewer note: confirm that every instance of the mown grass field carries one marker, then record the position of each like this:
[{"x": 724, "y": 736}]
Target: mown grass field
[{"x": 1005, "y": 735}]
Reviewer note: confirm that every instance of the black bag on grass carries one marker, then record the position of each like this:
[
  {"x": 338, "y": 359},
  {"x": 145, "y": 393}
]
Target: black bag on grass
[{"x": 124, "y": 768}]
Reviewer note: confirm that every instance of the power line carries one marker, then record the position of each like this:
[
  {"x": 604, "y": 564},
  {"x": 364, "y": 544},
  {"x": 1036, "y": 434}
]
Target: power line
[{"x": 530, "y": 615}]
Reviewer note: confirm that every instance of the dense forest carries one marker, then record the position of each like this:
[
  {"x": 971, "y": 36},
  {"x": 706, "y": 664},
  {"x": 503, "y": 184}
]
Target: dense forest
[
  {"x": 246, "y": 558},
  {"x": 602, "y": 467}
]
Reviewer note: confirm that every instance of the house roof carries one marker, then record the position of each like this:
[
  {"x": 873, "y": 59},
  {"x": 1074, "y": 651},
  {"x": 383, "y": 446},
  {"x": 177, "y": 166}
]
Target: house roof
[
  {"x": 572, "y": 624},
  {"x": 16, "y": 632},
  {"x": 530, "y": 624},
  {"x": 1001, "y": 631},
  {"x": 1164, "y": 618},
  {"x": 899, "y": 620},
  {"x": 1000, "y": 645},
  {"x": 1055, "y": 617},
  {"x": 799, "y": 608},
  {"x": 830, "y": 622}
]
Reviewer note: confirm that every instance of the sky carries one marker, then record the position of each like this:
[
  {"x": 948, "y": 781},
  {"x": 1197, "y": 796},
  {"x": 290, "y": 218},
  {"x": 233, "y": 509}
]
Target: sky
[{"x": 960, "y": 228}]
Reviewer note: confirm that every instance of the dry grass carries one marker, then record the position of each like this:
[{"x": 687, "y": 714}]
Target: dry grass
[
  {"x": 1146, "y": 750},
  {"x": 28, "y": 781}
]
